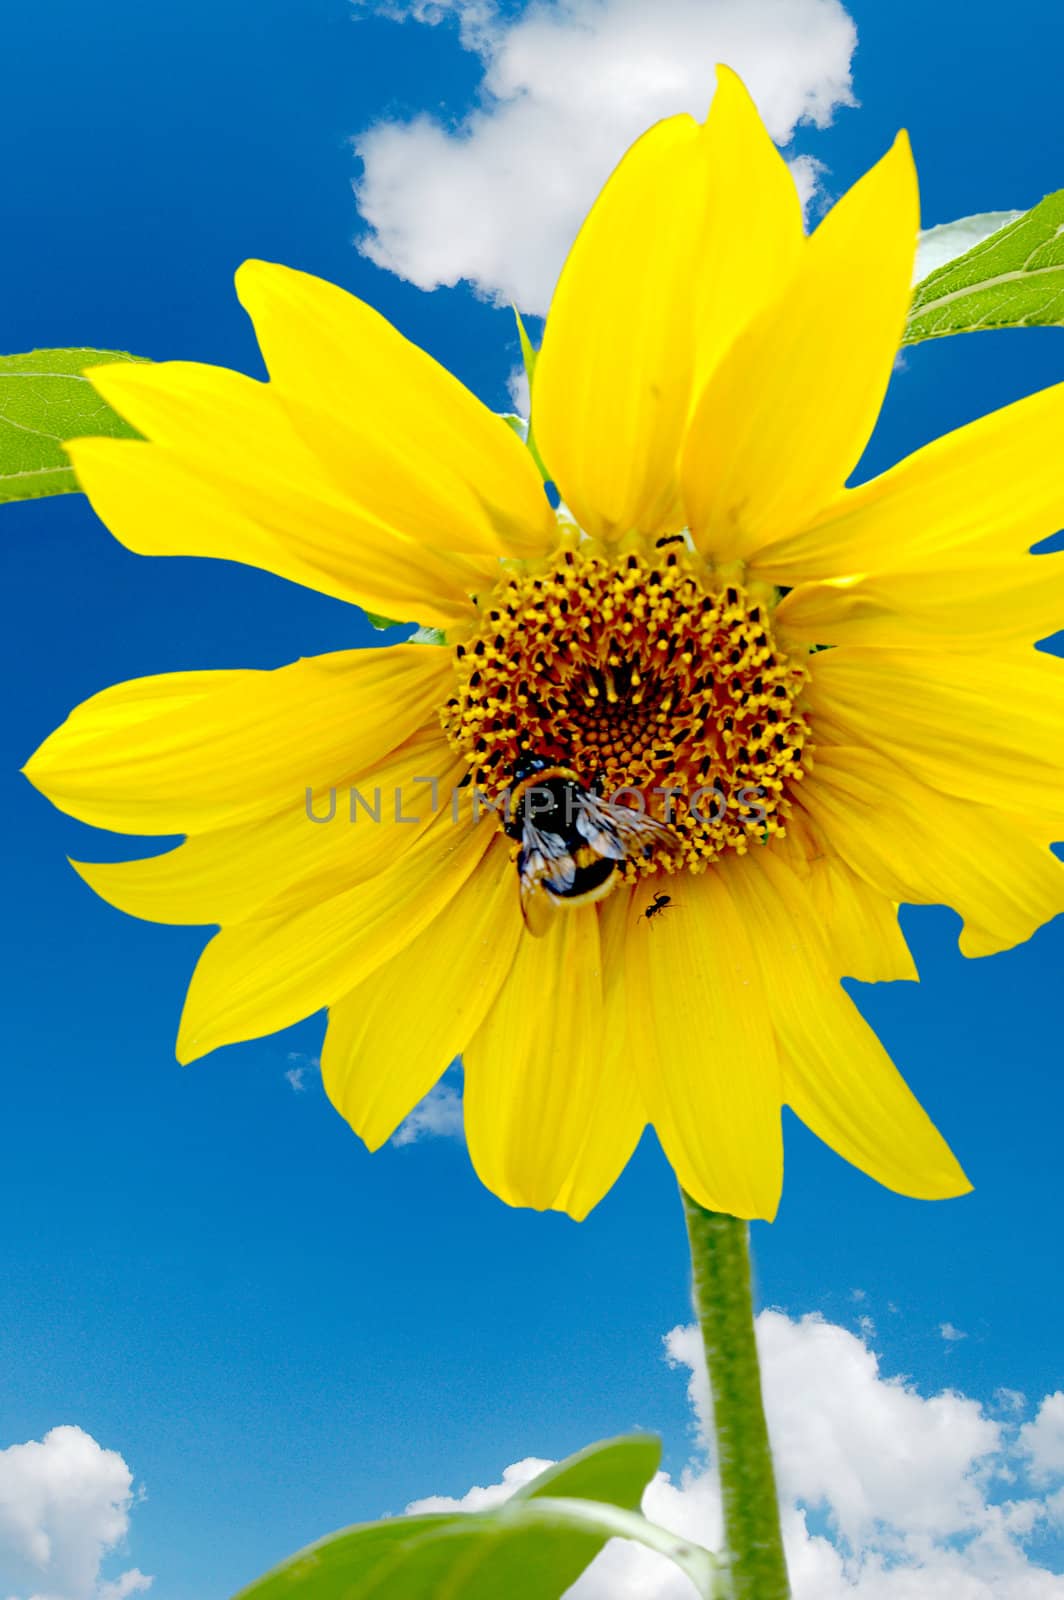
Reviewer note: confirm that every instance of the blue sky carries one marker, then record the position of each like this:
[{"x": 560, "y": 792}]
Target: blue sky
[{"x": 202, "y": 1268}]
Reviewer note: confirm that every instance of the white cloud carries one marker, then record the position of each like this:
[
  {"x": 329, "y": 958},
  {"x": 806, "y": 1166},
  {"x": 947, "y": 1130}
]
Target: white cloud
[
  {"x": 299, "y": 1069},
  {"x": 951, "y": 1334},
  {"x": 862, "y": 1447},
  {"x": 439, "y": 1116},
  {"x": 64, "y": 1506},
  {"x": 566, "y": 87},
  {"x": 887, "y": 1494},
  {"x": 1043, "y": 1439},
  {"x": 483, "y": 1497},
  {"x": 131, "y": 1582},
  {"x": 520, "y": 391}
]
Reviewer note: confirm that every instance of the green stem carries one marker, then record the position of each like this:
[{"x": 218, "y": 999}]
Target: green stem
[{"x": 720, "y": 1263}]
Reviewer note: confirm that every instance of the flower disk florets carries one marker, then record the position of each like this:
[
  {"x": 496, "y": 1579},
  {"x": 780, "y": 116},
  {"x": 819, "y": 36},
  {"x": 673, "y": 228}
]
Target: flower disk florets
[{"x": 647, "y": 677}]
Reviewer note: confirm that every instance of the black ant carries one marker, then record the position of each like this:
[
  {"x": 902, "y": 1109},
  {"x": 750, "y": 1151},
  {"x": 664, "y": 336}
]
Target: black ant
[{"x": 660, "y": 903}]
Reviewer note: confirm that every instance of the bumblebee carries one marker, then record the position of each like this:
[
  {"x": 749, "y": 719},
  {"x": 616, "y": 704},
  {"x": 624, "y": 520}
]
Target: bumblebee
[{"x": 572, "y": 840}]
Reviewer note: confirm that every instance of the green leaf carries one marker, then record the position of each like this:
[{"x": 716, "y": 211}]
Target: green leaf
[
  {"x": 44, "y": 399},
  {"x": 528, "y": 356},
  {"x": 936, "y": 246},
  {"x": 419, "y": 636},
  {"x": 532, "y": 1547},
  {"x": 615, "y": 1471},
  {"x": 1013, "y": 279}
]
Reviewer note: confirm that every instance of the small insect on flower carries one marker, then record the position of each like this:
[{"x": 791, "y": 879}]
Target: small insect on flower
[
  {"x": 660, "y": 903},
  {"x": 573, "y": 842}
]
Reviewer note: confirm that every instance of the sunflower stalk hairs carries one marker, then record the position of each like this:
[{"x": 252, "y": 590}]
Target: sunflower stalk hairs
[{"x": 700, "y": 729}]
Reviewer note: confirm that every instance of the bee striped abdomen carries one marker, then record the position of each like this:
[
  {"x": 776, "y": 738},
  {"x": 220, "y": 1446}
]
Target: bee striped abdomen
[{"x": 572, "y": 842}]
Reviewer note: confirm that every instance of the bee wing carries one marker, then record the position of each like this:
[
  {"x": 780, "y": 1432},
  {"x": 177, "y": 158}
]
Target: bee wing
[
  {"x": 544, "y": 859},
  {"x": 594, "y": 823},
  {"x": 639, "y": 834},
  {"x": 537, "y": 906},
  {"x": 547, "y": 856}
]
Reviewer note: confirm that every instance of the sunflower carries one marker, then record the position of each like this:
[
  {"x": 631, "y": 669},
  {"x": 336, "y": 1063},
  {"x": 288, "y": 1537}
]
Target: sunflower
[{"x": 781, "y": 706}]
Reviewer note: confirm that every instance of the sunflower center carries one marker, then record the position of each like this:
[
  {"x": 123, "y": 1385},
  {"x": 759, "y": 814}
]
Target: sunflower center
[{"x": 647, "y": 682}]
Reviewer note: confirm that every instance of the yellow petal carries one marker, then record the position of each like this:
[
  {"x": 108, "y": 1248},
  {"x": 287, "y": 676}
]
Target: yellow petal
[
  {"x": 397, "y": 432},
  {"x": 705, "y": 1053},
  {"x": 411, "y": 797},
  {"x": 917, "y": 845},
  {"x": 967, "y": 607},
  {"x": 984, "y": 727},
  {"x": 753, "y": 235},
  {"x": 227, "y": 476},
  {"x": 391, "y": 1037},
  {"x": 188, "y": 751},
  {"x": 613, "y": 377},
  {"x": 295, "y": 855},
  {"x": 786, "y": 416},
  {"x": 979, "y": 496},
  {"x": 837, "y": 1076},
  {"x": 859, "y": 922},
  {"x": 537, "y": 1078},
  {"x": 614, "y": 1133},
  {"x": 258, "y": 976}
]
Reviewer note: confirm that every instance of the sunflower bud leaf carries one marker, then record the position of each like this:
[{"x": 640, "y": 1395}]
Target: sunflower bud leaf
[
  {"x": 520, "y": 425},
  {"x": 1012, "y": 278},
  {"x": 44, "y": 400},
  {"x": 532, "y": 1546}
]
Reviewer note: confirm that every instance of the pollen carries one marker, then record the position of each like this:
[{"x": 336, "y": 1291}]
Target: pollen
[{"x": 651, "y": 681}]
